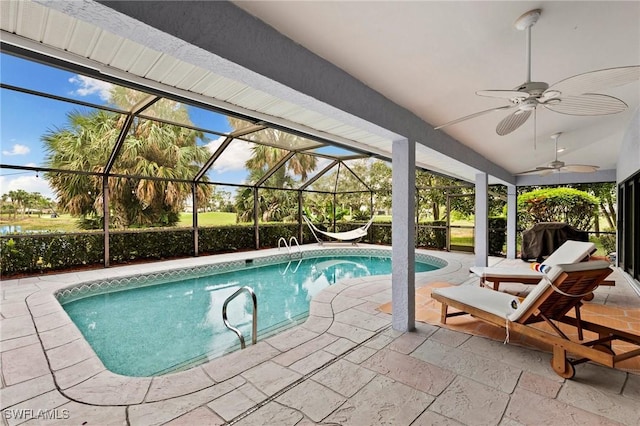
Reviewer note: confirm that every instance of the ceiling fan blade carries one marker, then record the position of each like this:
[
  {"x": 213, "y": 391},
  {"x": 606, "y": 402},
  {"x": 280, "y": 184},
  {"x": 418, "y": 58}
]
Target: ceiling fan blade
[
  {"x": 512, "y": 121},
  {"x": 477, "y": 114},
  {"x": 587, "y": 104},
  {"x": 537, "y": 171},
  {"x": 504, "y": 94},
  {"x": 595, "y": 81},
  {"x": 580, "y": 168}
]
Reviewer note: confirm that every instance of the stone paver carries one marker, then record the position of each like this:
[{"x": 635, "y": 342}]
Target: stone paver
[
  {"x": 532, "y": 409},
  {"x": 344, "y": 377},
  {"x": 382, "y": 401},
  {"x": 23, "y": 363},
  {"x": 23, "y": 391},
  {"x": 468, "y": 364},
  {"x": 177, "y": 384},
  {"x": 313, "y": 399},
  {"x": 107, "y": 388},
  {"x": 540, "y": 385},
  {"x": 600, "y": 401},
  {"x": 413, "y": 372},
  {"x": 270, "y": 377},
  {"x": 272, "y": 414},
  {"x": 157, "y": 413},
  {"x": 471, "y": 403},
  {"x": 236, "y": 402},
  {"x": 201, "y": 416}
]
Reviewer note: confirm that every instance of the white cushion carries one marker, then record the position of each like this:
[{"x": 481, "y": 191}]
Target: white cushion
[
  {"x": 569, "y": 252},
  {"x": 551, "y": 276},
  {"x": 494, "y": 302}
]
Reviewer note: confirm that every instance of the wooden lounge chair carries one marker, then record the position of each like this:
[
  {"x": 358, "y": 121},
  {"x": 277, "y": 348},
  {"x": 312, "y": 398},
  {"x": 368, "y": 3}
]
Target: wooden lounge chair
[
  {"x": 354, "y": 235},
  {"x": 550, "y": 301},
  {"x": 569, "y": 252}
]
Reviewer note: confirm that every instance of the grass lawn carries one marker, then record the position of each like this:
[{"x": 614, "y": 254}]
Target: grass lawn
[
  {"x": 208, "y": 219},
  {"x": 62, "y": 223}
]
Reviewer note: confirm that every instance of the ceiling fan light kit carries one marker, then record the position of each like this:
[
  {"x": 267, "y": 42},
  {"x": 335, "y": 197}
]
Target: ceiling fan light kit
[{"x": 572, "y": 96}]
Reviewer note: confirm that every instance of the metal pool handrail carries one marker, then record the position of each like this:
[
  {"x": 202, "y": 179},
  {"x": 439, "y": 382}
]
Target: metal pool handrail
[
  {"x": 289, "y": 245},
  {"x": 254, "y": 329}
]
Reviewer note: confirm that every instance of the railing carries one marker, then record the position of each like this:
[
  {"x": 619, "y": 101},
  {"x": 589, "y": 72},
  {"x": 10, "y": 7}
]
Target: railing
[
  {"x": 289, "y": 245},
  {"x": 254, "y": 330}
]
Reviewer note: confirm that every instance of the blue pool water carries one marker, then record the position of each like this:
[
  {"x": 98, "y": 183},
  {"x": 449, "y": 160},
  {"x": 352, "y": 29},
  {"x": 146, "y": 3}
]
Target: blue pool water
[{"x": 157, "y": 329}]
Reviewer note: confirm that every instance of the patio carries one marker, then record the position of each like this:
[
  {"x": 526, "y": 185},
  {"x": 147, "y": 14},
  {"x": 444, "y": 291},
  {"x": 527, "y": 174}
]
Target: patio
[{"x": 344, "y": 365}]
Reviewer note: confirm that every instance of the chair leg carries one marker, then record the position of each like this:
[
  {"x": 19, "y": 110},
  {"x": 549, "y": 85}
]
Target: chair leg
[
  {"x": 443, "y": 313},
  {"x": 579, "y": 323}
]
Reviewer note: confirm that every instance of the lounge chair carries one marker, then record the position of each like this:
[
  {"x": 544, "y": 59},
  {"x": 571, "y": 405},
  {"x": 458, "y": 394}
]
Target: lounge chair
[
  {"x": 569, "y": 252},
  {"x": 354, "y": 235},
  {"x": 553, "y": 297}
]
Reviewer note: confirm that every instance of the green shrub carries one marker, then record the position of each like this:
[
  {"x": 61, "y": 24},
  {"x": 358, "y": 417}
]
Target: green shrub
[
  {"x": 568, "y": 205},
  {"x": 497, "y": 234},
  {"x": 38, "y": 253},
  {"x": 147, "y": 244},
  {"x": 608, "y": 241}
]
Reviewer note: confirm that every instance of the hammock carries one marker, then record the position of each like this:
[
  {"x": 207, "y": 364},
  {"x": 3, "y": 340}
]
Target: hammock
[{"x": 354, "y": 234}]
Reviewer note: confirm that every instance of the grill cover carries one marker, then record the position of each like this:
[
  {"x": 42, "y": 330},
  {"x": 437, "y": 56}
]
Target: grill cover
[{"x": 545, "y": 237}]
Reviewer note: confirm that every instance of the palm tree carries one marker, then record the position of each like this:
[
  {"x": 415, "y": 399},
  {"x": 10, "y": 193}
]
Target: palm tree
[
  {"x": 151, "y": 148},
  {"x": 275, "y": 205}
]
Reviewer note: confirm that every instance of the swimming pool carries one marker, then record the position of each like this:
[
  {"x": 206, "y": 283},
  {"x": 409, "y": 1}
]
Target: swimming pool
[{"x": 152, "y": 325}]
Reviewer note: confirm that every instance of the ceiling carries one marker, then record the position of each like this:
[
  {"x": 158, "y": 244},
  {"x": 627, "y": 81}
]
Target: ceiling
[
  {"x": 431, "y": 57},
  {"x": 427, "y": 57}
]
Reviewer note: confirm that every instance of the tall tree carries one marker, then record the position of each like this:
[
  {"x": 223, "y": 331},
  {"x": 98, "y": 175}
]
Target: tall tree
[
  {"x": 151, "y": 148},
  {"x": 274, "y": 204}
]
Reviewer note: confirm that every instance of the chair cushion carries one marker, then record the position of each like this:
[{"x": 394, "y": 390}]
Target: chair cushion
[{"x": 494, "y": 302}]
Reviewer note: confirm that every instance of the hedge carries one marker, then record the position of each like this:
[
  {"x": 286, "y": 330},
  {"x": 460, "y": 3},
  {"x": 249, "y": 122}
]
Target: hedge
[{"x": 37, "y": 253}]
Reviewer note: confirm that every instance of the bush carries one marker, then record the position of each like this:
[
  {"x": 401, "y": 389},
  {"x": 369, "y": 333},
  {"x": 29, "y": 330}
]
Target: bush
[
  {"x": 568, "y": 205},
  {"x": 37, "y": 253},
  {"x": 497, "y": 234},
  {"x": 608, "y": 241}
]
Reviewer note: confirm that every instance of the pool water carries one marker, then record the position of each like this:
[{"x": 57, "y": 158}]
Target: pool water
[{"x": 167, "y": 327}]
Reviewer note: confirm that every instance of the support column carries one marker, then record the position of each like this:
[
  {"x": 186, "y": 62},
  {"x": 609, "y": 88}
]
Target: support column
[
  {"x": 481, "y": 237},
  {"x": 105, "y": 219},
  {"x": 194, "y": 222},
  {"x": 512, "y": 221},
  {"x": 403, "y": 235}
]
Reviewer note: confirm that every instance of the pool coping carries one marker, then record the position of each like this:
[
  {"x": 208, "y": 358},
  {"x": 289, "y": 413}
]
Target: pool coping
[{"x": 79, "y": 375}]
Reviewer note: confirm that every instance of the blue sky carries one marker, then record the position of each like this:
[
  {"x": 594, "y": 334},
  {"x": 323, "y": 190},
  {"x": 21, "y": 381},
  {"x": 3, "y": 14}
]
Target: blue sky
[{"x": 25, "y": 118}]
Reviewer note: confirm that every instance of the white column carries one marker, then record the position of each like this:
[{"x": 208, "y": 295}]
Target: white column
[
  {"x": 403, "y": 298},
  {"x": 481, "y": 240},
  {"x": 512, "y": 209}
]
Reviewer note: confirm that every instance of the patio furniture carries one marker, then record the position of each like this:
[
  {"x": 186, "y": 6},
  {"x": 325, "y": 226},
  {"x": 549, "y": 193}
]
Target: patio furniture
[
  {"x": 354, "y": 235},
  {"x": 544, "y": 238},
  {"x": 569, "y": 252},
  {"x": 557, "y": 293}
]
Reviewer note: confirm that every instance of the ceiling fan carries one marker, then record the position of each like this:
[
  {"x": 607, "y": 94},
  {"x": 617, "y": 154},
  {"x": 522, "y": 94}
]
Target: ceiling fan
[
  {"x": 572, "y": 96},
  {"x": 560, "y": 166}
]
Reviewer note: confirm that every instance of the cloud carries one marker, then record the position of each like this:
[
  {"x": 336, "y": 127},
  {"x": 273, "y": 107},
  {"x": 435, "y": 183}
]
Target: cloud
[
  {"x": 233, "y": 158},
  {"x": 90, "y": 86},
  {"x": 17, "y": 149},
  {"x": 29, "y": 183}
]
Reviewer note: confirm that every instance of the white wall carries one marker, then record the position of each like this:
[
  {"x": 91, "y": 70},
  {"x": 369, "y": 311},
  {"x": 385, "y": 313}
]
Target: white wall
[{"x": 629, "y": 159}]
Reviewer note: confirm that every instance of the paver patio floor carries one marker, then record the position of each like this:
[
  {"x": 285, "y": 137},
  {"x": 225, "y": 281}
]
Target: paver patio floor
[{"x": 344, "y": 365}]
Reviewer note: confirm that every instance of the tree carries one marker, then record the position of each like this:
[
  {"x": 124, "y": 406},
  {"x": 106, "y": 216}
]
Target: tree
[
  {"x": 151, "y": 148},
  {"x": 274, "y": 204},
  {"x": 606, "y": 194}
]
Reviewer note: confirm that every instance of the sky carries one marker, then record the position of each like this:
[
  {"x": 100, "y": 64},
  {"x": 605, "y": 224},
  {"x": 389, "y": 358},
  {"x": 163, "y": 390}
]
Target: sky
[{"x": 25, "y": 118}]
